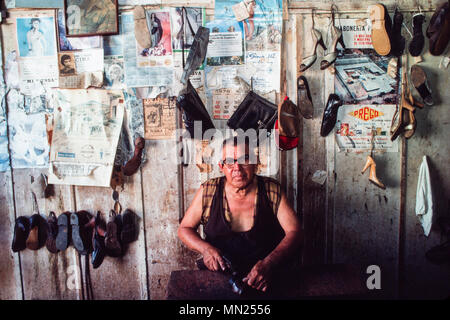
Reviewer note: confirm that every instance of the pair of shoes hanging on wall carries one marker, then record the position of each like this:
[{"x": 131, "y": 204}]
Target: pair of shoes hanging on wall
[
  {"x": 385, "y": 33},
  {"x": 438, "y": 31},
  {"x": 330, "y": 57}
]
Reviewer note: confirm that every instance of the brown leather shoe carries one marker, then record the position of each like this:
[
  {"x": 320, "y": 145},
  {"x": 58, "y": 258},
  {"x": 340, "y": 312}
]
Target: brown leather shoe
[
  {"x": 134, "y": 163},
  {"x": 419, "y": 80},
  {"x": 304, "y": 101},
  {"x": 438, "y": 30},
  {"x": 33, "y": 240}
]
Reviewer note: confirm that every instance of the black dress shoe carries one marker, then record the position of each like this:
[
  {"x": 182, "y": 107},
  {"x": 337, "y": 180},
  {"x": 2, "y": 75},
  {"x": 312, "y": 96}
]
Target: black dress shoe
[
  {"x": 398, "y": 41},
  {"x": 63, "y": 236},
  {"x": 416, "y": 45},
  {"x": 21, "y": 231},
  {"x": 439, "y": 254},
  {"x": 81, "y": 234},
  {"x": 330, "y": 114},
  {"x": 52, "y": 233},
  {"x": 129, "y": 231},
  {"x": 98, "y": 242}
]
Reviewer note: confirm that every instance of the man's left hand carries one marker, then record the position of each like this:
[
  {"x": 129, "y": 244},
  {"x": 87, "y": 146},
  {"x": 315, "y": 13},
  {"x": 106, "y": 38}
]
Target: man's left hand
[{"x": 259, "y": 277}]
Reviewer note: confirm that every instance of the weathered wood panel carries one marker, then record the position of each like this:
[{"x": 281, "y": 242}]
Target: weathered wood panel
[
  {"x": 129, "y": 271},
  {"x": 421, "y": 277},
  {"x": 314, "y": 195},
  {"x": 160, "y": 194},
  {"x": 10, "y": 277},
  {"x": 40, "y": 267}
]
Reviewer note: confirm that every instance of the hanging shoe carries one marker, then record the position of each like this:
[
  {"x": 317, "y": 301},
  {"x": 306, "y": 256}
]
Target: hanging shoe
[
  {"x": 52, "y": 233},
  {"x": 438, "y": 31},
  {"x": 112, "y": 244},
  {"x": 98, "y": 242},
  {"x": 398, "y": 41},
  {"x": 132, "y": 165},
  {"x": 330, "y": 114},
  {"x": 79, "y": 222},
  {"x": 381, "y": 29},
  {"x": 372, "y": 173},
  {"x": 336, "y": 36},
  {"x": 419, "y": 80},
  {"x": 304, "y": 101},
  {"x": 21, "y": 232},
  {"x": 418, "y": 41},
  {"x": 63, "y": 236},
  {"x": 33, "y": 242},
  {"x": 129, "y": 231},
  {"x": 317, "y": 39}
]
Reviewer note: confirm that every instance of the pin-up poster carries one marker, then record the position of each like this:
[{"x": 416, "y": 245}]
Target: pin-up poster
[
  {"x": 365, "y": 128},
  {"x": 36, "y": 47}
]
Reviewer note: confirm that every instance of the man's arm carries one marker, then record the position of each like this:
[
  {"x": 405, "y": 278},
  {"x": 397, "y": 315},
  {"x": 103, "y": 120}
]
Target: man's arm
[
  {"x": 259, "y": 276},
  {"x": 187, "y": 232}
]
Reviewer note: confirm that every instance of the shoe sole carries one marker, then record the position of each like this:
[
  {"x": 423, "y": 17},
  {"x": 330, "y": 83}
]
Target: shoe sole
[
  {"x": 439, "y": 43},
  {"x": 380, "y": 38},
  {"x": 76, "y": 236},
  {"x": 419, "y": 79},
  {"x": 62, "y": 238}
]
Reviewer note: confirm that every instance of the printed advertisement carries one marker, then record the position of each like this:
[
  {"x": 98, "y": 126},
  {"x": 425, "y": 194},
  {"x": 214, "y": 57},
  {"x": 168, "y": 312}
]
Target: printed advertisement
[
  {"x": 226, "y": 46},
  {"x": 160, "y": 122},
  {"x": 87, "y": 126},
  {"x": 361, "y": 78},
  {"x": 36, "y": 47},
  {"x": 365, "y": 128},
  {"x": 81, "y": 69},
  {"x": 151, "y": 75},
  {"x": 356, "y": 33}
]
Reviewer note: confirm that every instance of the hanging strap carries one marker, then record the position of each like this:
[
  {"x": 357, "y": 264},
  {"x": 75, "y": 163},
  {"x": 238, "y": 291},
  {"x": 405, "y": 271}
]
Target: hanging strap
[{"x": 183, "y": 13}]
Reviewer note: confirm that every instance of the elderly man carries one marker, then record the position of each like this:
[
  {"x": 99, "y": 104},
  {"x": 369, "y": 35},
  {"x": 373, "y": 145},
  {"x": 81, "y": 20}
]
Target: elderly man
[{"x": 246, "y": 219}]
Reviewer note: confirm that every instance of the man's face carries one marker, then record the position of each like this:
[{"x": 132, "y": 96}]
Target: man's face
[
  {"x": 66, "y": 62},
  {"x": 236, "y": 167}
]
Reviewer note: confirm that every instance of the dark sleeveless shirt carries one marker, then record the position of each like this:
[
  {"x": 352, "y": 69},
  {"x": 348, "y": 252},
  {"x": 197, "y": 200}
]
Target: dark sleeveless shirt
[{"x": 244, "y": 249}]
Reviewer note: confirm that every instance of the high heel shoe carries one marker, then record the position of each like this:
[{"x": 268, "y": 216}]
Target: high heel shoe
[
  {"x": 372, "y": 173},
  {"x": 336, "y": 35},
  {"x": 317, "y": 39}
]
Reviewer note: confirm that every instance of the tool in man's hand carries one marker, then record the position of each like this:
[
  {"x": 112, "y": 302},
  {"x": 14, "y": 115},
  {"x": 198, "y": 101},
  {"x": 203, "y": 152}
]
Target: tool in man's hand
[{"x": 235, "y": 281}]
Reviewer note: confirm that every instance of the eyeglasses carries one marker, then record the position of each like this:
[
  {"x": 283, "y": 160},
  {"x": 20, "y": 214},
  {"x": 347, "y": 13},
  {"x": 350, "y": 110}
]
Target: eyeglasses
[{"x": 243, "y": 161}]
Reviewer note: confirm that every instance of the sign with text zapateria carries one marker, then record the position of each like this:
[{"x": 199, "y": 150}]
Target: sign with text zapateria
[{"x": 363, "y": 127}]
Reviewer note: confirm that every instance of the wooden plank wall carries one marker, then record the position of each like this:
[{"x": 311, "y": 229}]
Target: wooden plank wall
[{"x": 345, "y": 220}]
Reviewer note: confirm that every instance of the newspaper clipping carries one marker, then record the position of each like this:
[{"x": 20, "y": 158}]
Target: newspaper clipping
[
  {"x": 87, "y": 126},
  {"x": 160, "y": 120},
  {"x": 81, "y": 69}
]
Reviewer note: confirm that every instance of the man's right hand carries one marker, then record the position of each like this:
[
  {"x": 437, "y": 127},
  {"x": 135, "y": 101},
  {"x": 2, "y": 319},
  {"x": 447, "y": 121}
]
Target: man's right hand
[{"x": 213, "y": 259}]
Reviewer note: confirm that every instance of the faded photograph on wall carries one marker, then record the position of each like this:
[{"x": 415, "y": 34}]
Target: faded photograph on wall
[
  {"x": 362, "y": 78},
  {"x": 66, "y": 64},
  {"x": 185, "y": 23},
  {"x": 35, "y": 36},
  {"x": 91, "y": 17}
]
